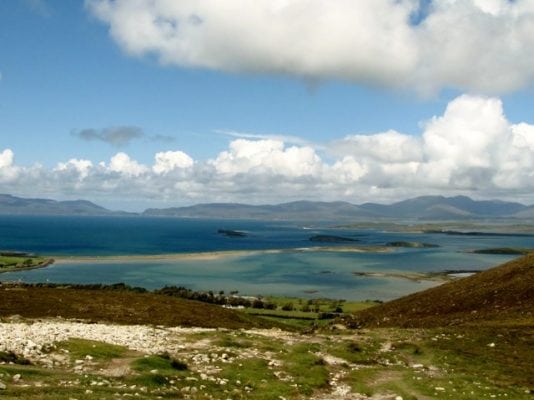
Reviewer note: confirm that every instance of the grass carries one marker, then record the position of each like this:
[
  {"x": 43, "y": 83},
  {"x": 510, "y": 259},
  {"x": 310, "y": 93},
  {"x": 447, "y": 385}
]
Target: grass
[
  {"x": 163, "y": 363},
  {"x": 501, "y": 294},
  {"x": 314, "y": 314},
  {"x": 374, "y": 362},
  {"x": 308, "y": 369},
  {"x": 80, "y": 348},
  {"x": 120, "y": 306},
  {"x": 11, "y": 263}
]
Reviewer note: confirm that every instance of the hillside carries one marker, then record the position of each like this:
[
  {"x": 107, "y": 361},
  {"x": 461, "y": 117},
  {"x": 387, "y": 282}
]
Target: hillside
[
  {"x": 118, "y": 306},
  {"x": 504, "y": 294},
  {"x": 12, "y": 205}
]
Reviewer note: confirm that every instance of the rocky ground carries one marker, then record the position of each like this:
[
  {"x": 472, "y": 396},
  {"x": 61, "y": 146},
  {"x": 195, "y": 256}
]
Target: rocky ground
[{"x": 62, "y": 359}]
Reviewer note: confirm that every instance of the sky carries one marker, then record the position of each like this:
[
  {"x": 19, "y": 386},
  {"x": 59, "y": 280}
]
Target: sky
[{"x": 158, "y": 103}]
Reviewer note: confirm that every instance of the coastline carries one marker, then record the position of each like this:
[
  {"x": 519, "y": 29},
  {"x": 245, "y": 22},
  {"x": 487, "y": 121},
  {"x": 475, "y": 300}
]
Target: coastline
[{"x": 44, "y": 264}]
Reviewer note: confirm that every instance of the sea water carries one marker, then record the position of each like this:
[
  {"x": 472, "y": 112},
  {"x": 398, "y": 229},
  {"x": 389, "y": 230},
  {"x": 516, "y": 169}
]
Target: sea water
[{"x": 294, "y": 271}]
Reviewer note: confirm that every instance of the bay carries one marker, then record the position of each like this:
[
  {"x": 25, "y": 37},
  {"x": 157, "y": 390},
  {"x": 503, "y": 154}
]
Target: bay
[{"x": 292, "y": 271}]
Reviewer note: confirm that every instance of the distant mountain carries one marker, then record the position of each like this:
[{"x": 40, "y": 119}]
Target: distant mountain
[
  {"x": 422, "y": 208},
  {"x": 425, "y": 208},
  {"x": 299, "y": 210},
  {"x": 439, "y": 207},
  {"x": 11, "y": 205}
]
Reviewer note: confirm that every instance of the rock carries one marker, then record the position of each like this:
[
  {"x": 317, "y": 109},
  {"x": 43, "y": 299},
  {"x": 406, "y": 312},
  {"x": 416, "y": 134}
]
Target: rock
[
  {"x": 3, "y": 386},
  {"x": 16, "y": 378}
]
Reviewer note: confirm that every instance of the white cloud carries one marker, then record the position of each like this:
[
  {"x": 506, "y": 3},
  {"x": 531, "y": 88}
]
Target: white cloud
[
  {"x": 8, "y": 171},
  {"x": 80, "y": 167},
  {"x": 288, "y": 139},
  {"x": 482, "y": 45},
  {"x": 170, "y": 160},
  {"x": 389, "y": 146},
  {"x": 471, "y": 148},
  {"x": 267, "y": 157},
  {"x": 124, "y": 165}
]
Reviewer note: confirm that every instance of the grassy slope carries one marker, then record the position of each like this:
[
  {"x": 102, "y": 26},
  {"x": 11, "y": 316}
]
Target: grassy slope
[
  {"x": 503, "y": 295},
  {"x": 120, "y": 307}
]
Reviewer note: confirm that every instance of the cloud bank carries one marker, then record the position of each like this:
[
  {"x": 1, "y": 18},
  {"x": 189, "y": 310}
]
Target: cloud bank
[
  {"x": 486, "y": 46},
  {"x": 471, "y": 149}
]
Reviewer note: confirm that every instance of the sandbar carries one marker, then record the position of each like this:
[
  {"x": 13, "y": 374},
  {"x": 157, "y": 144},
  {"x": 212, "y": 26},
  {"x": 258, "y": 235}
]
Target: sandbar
[{"x": 214, "y": 255}]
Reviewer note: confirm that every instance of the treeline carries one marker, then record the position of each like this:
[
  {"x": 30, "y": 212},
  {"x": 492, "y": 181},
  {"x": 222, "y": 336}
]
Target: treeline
[
  {"x": 77, "y": 286},
  {"x": 219, "y": 298}
]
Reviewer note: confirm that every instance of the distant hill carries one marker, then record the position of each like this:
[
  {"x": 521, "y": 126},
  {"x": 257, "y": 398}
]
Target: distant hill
[
  {"x": 11, "y": 205},
  {"x": 439, "y": 207},
  {"x": 504, "y": 293},
  {"x": 298, "y": 210},
  {"x": 425, "y": 208},
  {"x": 527, "y": 213}
]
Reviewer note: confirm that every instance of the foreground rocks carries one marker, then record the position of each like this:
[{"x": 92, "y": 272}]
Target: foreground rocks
[{"x": 229, "y": 364}]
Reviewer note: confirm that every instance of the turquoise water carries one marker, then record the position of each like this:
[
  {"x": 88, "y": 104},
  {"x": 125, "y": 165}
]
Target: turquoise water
[{"x": 289, "y": 273}]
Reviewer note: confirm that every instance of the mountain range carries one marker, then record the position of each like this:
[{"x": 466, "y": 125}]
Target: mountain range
[
  {"x": 11, "y": 205},
  {"x": 422, "y": 208}
]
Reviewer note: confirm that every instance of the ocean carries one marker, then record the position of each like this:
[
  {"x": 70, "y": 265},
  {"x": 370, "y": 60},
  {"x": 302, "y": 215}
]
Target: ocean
[{"x": 294, "y": 270}]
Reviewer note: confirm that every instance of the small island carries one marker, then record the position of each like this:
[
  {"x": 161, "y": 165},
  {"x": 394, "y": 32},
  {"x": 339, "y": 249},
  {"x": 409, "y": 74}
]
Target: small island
[
  {"x": 16, "y": 261},
  {"x": 415, "y": 245},
  {"x": 504, "y": 251},
  {"x": 331, "y": 239},
  {"x": 231, "y": 233}
]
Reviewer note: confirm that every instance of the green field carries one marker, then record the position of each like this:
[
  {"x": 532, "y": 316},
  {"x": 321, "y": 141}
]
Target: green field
[
  {"x": 306, "y": 313},
  {"x": 14, "y": 262}
]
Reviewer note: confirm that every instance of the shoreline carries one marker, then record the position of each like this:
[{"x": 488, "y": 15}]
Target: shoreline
[{"x": 44, "y": 264}]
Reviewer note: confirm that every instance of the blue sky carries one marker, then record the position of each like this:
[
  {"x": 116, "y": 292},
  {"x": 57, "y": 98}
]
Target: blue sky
[{"x": 257, "y": 119}]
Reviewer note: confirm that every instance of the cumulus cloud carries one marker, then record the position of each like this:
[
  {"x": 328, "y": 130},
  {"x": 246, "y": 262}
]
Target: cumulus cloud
[
  {"x": 390, "y": 146},
  {"x": 79, "y": 167},
  {"x": 472, "y": 148},
  {"x": 168, "y": 161},
  {"x": 8, "y": 171},
  {"x": 124, "y": 165},
  {"x": 393, "y": 43},
  {"x": 267, "y": 157}
]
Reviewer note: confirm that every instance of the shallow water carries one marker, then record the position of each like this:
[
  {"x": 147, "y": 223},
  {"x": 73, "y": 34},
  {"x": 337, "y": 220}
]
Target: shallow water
[{"x": 288, "y": 273}]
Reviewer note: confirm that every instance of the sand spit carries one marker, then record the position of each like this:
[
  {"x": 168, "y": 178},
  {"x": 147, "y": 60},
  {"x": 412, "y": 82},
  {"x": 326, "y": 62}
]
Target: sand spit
[{"x": 215, "y": 255}]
